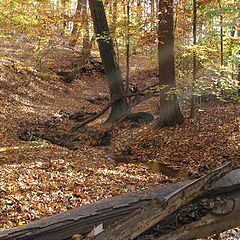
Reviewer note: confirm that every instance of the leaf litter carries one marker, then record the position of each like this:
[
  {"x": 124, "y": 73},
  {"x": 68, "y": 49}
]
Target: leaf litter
[{"x": 39, "y": 179}]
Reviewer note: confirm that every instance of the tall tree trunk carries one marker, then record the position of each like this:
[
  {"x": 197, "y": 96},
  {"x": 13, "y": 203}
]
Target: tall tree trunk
[
  {"x": 87, "y": 43},
  {"x": 192, "y": 110},
  {"x": 169, "y": 111},
  {"x": 153, "y": 15},
  {"x": 127, "y": 48},
  {"x": 120, "y": 106},
  {"x": 74, "y": 33},
  {"x": 114, "y": 16},
  {"x": 238, "y": 60},
  {"x": 221, "y": 36},
  {"x": 114, "y": 26},
  {"x": 81, "y": 11},
  {"x": 64, "y": 5}
]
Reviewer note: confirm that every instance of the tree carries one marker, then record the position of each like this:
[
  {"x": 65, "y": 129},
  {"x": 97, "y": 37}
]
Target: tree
[
  {"x": 194, "y": 72},
  {"x": 221, "y": 34},
  {"x": 238, "y": 67},
  {"x": 74, "y": 32},
  {"x": 81, "y": 12},
  {"x": 238, "y": 59},
  {"x": 127, "y": 47},
  {"x": 169, "y": 111},
  {"x": 120, "y": 106}
]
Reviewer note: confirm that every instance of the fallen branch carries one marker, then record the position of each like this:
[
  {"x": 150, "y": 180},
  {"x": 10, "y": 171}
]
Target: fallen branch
[
  {"x": 99, "y": 114},
  {"x": 141, "y": 92},
  {"x": 91, "y": 119}
]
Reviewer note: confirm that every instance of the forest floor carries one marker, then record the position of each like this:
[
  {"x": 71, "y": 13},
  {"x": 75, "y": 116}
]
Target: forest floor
[{"x": 39, "y": 179}]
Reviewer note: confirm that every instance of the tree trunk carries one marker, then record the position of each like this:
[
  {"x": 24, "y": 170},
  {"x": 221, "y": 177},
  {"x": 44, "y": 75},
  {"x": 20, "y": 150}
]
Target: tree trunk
[
  {"x": 64, "y": 5},
  {"x": 74, "y": 33},
  {"x": 85, "y": 23},
  {"x": 114, "y": 17},
  {"x": 153, "y": 12},
  {"x": 238, "y": 59},
  {"x": 120, "y": 106},
  {"x": 169, "y": 111},
  {"x": 81, "y": 11},
  {"x": 127, "y": 48},
  {"x": 194, "y": 72},
  {"x": 83, "y": 58},
  {"x": 221, "y": 36}
]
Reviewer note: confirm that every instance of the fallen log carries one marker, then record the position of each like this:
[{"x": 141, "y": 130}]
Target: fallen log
[
  {"x": 82, "y": 220},
  {"x": 204, "y": 217},
  {"x": 157, "y": 209}
]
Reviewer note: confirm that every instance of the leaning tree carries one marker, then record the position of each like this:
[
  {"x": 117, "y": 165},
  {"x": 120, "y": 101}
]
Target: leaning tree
[
  {"x": 120, "y": 106},
  {"x": 169, "y": 110}
]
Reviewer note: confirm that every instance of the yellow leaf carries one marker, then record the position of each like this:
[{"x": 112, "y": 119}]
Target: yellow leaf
[
  {"x": 20, "y": 223},
  {"x": 77, "y": 237}
]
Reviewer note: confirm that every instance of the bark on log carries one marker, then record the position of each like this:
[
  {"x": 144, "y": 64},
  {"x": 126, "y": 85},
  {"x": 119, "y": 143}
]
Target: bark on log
[
  {"x": 157, "y": 209},
  {"x": 222, "y": 214},
  {"x": 82, "y": 220}
]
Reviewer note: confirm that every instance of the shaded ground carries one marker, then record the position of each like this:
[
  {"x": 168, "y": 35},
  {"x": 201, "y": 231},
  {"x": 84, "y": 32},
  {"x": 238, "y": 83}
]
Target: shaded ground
[{"x": 39, "y": 179}]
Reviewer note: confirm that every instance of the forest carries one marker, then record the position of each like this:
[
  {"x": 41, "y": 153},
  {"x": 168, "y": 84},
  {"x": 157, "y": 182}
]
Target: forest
[{"x": 119, "y": 119}]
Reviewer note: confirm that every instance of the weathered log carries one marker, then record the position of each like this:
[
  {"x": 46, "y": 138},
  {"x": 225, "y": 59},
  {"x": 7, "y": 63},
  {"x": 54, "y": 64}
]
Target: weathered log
[
  {"x": 157, "y": 209},
  {"x": 82, "y": 220},
  {"x": 205, "y": 217}
]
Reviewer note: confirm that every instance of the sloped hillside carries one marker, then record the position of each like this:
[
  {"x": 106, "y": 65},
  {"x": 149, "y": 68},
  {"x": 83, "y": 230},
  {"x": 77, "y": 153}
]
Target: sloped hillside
[{"x": 39, "y": 178}]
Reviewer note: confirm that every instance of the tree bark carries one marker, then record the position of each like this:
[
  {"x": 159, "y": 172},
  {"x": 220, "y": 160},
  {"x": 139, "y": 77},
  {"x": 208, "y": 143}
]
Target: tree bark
[
  {"x": 222, "y": 216},
  {"x": 221, "y": 36},
  {"x": 64, "y": 5},
  {"x": 156, "y": 210},
  {"x": 74, "y": 33},
  {"x": 127, "y": 48},
  {"x": 169, "y": 111},
  {"x": 194, "y": 71},
  {"x": 120, "y": 106},
  {"x": 114, "y": 16},
  {"x": 238, "y": 60}
]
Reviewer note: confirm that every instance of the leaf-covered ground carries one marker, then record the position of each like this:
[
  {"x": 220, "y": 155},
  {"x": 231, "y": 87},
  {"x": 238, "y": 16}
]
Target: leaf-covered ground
[{"x": 39, "y": 179}]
